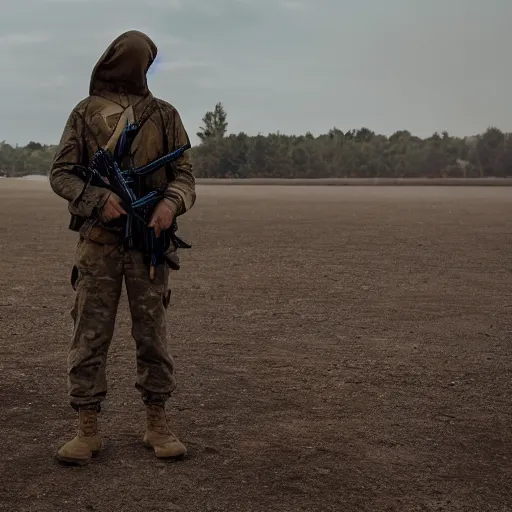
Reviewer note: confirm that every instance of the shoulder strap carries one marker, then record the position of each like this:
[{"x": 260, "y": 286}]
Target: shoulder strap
[
  {"x": 146, "y": 114},
  {"x": 129, "y": 133}
]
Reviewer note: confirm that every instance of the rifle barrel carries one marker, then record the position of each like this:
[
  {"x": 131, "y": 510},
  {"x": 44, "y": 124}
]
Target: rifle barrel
[{"x": 160, "y": 162}]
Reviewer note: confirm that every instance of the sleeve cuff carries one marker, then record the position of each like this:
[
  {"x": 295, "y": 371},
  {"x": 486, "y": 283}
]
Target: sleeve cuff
[
  {"x": 175, "y": 201},
  {"x": 91, "y": 201}
]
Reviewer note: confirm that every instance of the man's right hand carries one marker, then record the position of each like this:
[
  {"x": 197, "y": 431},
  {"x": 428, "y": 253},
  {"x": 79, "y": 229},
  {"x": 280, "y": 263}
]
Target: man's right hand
[{"x": 112, "y": 209}]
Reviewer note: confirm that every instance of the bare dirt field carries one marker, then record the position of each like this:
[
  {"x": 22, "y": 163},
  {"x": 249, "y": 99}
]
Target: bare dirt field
[{"x": 337, "y": 349}]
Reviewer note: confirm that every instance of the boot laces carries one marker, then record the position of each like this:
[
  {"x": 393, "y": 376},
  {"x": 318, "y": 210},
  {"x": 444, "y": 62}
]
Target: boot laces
[
  {"x": 88, "y": 422},
  {"x": 157, "y": 420}
]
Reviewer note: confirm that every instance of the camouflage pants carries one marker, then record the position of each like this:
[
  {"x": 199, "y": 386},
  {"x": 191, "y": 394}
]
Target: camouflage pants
[{"x": 101, "y": 269}]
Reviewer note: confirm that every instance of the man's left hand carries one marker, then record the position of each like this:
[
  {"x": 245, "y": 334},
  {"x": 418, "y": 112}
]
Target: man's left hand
[{"x": 163, "y": 216}]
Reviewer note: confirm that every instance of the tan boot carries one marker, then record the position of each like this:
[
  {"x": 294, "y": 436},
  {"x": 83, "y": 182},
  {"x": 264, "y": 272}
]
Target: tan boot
[
  {"x": 158, "y": 435},
  {"x": 86, "y": 444}
]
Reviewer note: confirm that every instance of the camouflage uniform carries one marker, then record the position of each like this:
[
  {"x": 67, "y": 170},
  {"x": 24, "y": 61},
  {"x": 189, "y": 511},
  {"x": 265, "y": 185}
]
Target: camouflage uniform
[
  {"x": 119, "y": 93},
  {"x": 101, "y": 269}
]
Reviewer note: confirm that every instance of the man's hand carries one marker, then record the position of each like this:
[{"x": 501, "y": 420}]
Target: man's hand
[
  {"x": 163, "y": 216},
  {"x": 112, "y": 209}
]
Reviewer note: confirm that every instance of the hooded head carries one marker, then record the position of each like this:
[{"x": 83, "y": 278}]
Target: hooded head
[{"x": 124, "y": 65}]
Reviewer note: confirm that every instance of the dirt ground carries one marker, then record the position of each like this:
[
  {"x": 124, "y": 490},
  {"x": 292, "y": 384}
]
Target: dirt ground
[{"x": 337, "y": 349}]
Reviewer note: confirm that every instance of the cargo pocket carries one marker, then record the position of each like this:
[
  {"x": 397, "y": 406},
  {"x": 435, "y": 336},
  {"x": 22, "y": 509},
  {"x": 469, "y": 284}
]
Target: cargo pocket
[
  {"x": 75, "y": 277},
  {"x": 75, "y": 274},
  {"x": 166, "y": 298},
  {"x": 166, "y": 293}
]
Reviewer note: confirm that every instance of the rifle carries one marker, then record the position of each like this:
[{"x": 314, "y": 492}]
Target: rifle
[{"x": 104, "y": 171}]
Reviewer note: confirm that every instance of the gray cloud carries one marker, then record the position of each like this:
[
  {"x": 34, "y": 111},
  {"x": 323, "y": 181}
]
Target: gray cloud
[{"x": 288, "y": 65}]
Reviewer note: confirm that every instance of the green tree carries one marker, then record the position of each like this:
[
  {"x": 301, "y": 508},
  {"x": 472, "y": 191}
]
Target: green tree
[
  {"x": 348, "y": 153},
  {"x": 214, "y": 124}
]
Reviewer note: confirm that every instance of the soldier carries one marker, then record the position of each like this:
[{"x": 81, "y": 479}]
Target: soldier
[{"x": 119, "y": 96}]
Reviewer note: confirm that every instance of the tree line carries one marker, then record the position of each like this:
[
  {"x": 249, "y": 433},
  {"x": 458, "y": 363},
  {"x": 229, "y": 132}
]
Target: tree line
[{"x": 357, "y": 153}]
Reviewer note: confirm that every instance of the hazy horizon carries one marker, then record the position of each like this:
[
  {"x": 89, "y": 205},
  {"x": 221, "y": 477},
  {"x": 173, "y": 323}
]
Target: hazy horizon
[{"x": 288, "y": 65}]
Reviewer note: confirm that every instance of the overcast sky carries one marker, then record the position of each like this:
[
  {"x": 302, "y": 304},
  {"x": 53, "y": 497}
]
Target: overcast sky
[{"x": 288, "y": 65}]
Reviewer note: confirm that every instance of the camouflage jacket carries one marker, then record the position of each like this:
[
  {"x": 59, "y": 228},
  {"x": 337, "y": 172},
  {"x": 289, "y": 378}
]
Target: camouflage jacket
[{"x": 119, "y": 93}]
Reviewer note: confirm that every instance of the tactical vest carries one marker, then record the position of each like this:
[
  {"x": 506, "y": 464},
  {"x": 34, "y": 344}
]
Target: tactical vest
[{"x": 119, "y": 146}]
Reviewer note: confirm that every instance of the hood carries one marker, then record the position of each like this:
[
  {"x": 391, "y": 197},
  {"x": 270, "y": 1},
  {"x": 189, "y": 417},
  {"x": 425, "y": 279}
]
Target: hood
[{"x": 124, "y": 65}]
